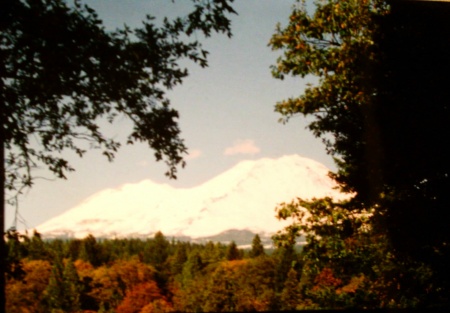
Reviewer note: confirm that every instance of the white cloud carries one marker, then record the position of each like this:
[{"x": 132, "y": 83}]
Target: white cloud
[
  {"x": 193, "y": 154},
  {"x": 246, "y": 146}
]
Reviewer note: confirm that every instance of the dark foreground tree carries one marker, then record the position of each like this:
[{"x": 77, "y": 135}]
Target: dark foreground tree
[
  {"x": 381, "y": 107},
  {"x": 62, "y": 74}
]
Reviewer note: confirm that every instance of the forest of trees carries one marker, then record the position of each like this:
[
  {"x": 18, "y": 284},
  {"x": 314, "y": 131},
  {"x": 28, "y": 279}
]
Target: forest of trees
[
  {"x": 153, "y": 275},
  {"x": 163, "y": 275}
]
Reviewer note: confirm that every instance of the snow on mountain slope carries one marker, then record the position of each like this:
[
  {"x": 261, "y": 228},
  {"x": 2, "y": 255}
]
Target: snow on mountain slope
[{"x": 243, "y": 197}]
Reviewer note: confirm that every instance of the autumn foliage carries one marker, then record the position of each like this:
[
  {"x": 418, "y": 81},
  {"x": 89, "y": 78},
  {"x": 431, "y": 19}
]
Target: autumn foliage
[
  {"x": 152, "y": 275},
  {"x": 339, "y": 270},
  {"x": 140, "y": 296}
]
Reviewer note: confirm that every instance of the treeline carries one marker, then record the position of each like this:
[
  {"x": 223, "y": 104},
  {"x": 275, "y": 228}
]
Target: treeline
[
  {"x": 345, "y": 264},
  {"x": 153, "y": 275}
]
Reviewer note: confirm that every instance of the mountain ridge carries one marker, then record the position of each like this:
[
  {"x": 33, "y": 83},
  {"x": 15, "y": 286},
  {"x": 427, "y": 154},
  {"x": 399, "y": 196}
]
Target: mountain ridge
[{"x": 242, "y": 198}]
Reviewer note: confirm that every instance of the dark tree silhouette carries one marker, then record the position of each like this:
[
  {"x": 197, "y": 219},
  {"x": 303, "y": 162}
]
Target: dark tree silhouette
[
  {"x": 233, "y": 252},
  {"x": 257, "y": 247},
  {"x": 381, "y": 106}
]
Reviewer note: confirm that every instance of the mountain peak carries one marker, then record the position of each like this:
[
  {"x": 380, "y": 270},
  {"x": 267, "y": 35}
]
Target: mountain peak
[{"x": 242, "y": 198}]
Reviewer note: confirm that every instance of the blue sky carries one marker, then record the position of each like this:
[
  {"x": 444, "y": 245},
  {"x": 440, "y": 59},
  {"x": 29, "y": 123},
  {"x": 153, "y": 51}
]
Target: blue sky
[{"x": 226, "y": 112}]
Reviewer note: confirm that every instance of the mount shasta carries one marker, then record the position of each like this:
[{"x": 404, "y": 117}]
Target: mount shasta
[{"x": 243, "y": 198}]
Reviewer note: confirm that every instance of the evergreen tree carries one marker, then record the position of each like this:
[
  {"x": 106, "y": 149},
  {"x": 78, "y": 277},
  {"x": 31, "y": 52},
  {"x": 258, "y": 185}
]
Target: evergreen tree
[
  {"x": 15, "y": 251},
  {"x": 285, "y": 259},
  {"x": 91, "y": 251},
  {"x": 55, "y": 290},
  {"x": 157, "y": 251},
  {"x": 36, "y": 248},
  {"x": 64, "y": 288},
  {"x": 211, "y": 253},
  {"x": 73, "y": 250},
  {"x": 192, "y": 267},
  {"x": 257, "y": 247},
  {"x": 220, "y": 292},
  {"x": 72, "y": 288},
  {"x": 290, "y": 295},
  {"x": 233, "y": 252},
  {"x": 179, "y": 258}
]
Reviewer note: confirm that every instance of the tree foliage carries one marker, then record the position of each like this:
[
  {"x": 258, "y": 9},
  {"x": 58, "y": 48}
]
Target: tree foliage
[
  {"x": 63, "y": 72},
  {"x": 140, "y": 296},
  {"x": 28, "y": 293},
  {"x": 291, "y": 292},
  {"x": 338, "y": 270},
  {"x": 349, "y": 263},
  {"x": 128, "y": 283},
  {"x": 380, "y": 107},
  {"x": 335, "y": 44}
]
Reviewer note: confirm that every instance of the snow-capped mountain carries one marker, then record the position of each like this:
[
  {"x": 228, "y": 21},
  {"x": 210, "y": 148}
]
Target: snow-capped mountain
[{"x": 242, "y": 198}]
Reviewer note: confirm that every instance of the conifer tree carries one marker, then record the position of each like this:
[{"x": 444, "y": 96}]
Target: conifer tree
[
  {"x": 55, "y": 288},
  {"x": 15, "y": 251},
  {"x": 90, "y": 251},
  {"x": 233, "y": 252},
  {"x": 157, "y": 251},
  {"x": 212, "y": 253},
  {"x": 72, "y": 288},
  {"x": 257, "y": 247},
  {"x": 285, "y": 257},
  {"x": 36, "y": 248},
  {"x": 73, "y": 249},
  {"x": 64, "y": 288},
  {"x": 290, "y": 294},
  {"x": 192, "y": 267},
  {"x": 179, "y": 258},
  {"x": 220, "y": 292}
]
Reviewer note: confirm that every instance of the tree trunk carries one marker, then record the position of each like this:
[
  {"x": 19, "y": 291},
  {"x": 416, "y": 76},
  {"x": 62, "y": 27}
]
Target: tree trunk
[
  {"x": 2, "y": 211},
  {"x": 2, "y": 192}
]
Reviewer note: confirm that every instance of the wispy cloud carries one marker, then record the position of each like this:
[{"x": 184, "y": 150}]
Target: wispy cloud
[
  {"x": 194, "y": 154},
  {"x": 246, "y": 146}
]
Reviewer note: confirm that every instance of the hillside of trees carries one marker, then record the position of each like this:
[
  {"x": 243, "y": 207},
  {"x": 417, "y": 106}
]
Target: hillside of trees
[
  {"x": 163, "y": 275},
  {"x": 133, "y": 275}
]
